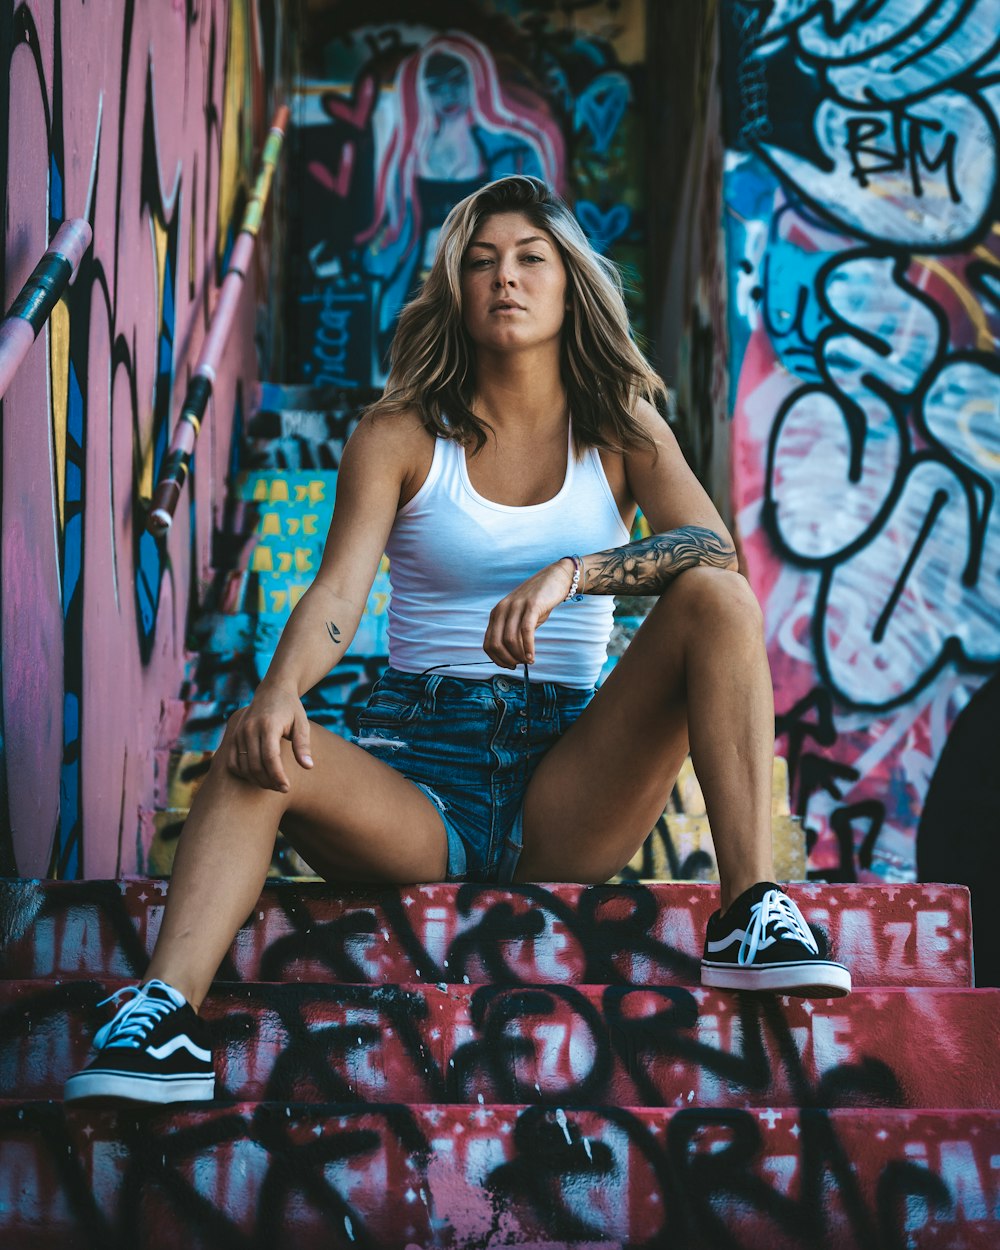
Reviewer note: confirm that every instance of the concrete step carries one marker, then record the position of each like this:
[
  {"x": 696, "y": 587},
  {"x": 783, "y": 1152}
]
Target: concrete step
[
  {"x": 906, "y": 935},
  {"x": 571, "y": 1045},
  {"x": 282, "y": 1175}
]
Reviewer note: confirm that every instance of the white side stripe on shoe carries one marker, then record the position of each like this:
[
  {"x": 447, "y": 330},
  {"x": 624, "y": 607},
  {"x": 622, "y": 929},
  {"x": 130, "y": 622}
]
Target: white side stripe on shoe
[
  {"x": 740, "y": 935},
  {"x": 176, "y": 1043}
]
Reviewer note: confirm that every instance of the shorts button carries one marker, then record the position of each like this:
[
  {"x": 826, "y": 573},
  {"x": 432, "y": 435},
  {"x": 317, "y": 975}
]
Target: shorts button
[
  {"x": 503, "y": 683},
  {"x": 522, "y": 729}
]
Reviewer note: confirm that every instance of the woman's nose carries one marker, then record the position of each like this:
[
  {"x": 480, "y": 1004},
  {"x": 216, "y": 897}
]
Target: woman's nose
[{"x": 503, "y": 277}]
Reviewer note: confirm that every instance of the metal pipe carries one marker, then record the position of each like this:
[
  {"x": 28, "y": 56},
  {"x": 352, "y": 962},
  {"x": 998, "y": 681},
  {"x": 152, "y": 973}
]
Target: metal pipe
[
  {"x": 39, "y": 295},
  {"x": 174, "y": 470}
]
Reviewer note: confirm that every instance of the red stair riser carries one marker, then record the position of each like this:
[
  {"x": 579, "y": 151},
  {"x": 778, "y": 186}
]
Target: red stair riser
[
  {"x": 898, "y": 935},
  {"x": 576, "y": 1045},
  {"x": 407, "y": 1176}
]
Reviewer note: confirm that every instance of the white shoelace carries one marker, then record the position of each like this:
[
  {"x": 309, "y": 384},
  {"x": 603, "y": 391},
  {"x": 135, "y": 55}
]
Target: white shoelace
[
  {"x": 135, "y": 1020},
  {"x": 775, "y": 915}
]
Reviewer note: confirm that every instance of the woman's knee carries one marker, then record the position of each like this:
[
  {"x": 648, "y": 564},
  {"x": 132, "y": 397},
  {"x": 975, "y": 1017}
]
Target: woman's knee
[{"x": 717, "y": 597}]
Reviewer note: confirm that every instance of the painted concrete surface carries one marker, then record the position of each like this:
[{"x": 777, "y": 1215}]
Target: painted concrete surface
[
  {"x": 863, "y": 244},
  {"x": 630, "y": 1046},
  {"x": 568, "y": 934},
  {"x": 413, "y": 1178},
  {"x": 143, "y": 119}
]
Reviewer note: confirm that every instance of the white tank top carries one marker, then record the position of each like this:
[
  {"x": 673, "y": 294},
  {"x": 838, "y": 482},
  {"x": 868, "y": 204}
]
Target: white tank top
[{"x": 454, "y": 555}]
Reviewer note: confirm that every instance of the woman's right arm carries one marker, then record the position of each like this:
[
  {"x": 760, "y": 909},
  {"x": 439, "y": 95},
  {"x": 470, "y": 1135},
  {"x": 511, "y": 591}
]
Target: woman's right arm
[{"x": 375, "y": 467}]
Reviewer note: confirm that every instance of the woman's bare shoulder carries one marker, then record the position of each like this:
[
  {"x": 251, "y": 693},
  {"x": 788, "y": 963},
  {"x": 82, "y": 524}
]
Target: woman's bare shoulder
[
  {"x": 396, "y": 436},
  {"x": 652, "y": 423},
  {"x": 395, "y": 447},
  {"x": 391, "y": 426}
]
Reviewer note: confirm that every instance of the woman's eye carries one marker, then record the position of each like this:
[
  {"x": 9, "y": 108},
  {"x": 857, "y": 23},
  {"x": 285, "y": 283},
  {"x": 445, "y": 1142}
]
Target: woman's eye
[{"x": 538, "y": 259}]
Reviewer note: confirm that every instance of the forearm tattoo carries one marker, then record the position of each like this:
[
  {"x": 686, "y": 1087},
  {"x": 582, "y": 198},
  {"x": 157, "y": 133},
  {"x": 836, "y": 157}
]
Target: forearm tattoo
[
  {"x": 649, "y": 566},
  {"x": 333, "y": 631}
]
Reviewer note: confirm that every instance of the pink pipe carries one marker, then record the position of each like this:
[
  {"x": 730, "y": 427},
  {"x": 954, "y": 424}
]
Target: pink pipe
[
  {"x": 40, "y": 294},
  {"x": 174, "y": 470},
  {"x": 225, "y": 308}
]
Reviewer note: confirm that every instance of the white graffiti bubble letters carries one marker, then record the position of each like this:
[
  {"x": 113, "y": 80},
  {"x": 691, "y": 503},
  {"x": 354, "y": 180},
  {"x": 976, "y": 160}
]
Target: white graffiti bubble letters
[
  {"x": 786, "y": 13},
  {"x": 894, "y": 332},
  {"x": 921, "y": 177},
  {"x": 926, "y": 59},
  {"x": 830, "y": 473}
]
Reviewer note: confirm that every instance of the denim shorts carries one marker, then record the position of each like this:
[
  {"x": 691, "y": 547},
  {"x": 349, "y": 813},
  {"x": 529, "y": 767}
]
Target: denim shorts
[{"x": 472, "y": 747}]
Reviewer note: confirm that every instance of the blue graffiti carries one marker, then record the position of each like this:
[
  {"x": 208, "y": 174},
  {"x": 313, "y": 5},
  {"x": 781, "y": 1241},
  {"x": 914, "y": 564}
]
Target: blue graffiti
[
  {"x": 601, "y": 106},
  {"x": 603, "y": 227}
]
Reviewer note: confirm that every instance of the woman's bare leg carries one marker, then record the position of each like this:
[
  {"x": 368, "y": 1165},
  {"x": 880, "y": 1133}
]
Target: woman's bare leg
[
  {"x": 343, "y": 816},
  {"x": 696, "y": 673}
]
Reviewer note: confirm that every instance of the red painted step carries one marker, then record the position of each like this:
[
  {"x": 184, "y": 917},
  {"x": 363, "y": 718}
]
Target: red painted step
[
  {"x": 403, "y": 1178},
  {"x": 643, "y": 1046},
  {"x": 905, "y": 935}
]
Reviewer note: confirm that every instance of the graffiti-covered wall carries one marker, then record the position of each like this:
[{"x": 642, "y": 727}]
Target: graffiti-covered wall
[
  {"x": 397, "y": 120},
  {"x": 864, "y": 259},
  {"x": 144, "y": 117}
]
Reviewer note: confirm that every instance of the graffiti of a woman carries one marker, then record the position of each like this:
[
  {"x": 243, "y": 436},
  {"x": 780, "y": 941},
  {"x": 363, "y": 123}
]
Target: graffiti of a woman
[{"x": 446, "y": 129}]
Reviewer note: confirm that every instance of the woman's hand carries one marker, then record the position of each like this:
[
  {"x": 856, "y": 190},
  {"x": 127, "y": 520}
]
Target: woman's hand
[
  {"x": 510, "y": 637},
  {"x": 254, "y": 751}
]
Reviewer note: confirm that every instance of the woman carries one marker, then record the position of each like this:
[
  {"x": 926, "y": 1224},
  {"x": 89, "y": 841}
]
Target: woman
[{"x": 501, "y": 472}]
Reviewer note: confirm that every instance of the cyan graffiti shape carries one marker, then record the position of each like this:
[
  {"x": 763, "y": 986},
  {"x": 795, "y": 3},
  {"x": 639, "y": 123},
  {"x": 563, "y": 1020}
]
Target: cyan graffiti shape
[
  {"x": 603, "y": 227},
  {"x": 600, "y": 107},
  {"x": 789, "y": 280}
]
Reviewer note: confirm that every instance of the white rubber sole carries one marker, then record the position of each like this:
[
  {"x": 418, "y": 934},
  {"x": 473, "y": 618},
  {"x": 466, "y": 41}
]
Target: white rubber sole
[
  {"x": 802, "y": 979},
  {"x": 158, "y": 1089}
]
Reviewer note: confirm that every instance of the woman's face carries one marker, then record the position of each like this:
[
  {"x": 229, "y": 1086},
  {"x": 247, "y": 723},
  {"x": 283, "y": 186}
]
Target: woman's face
[
  {"x": 514, "y": 284},
  {"x": 447, "y": 83}
]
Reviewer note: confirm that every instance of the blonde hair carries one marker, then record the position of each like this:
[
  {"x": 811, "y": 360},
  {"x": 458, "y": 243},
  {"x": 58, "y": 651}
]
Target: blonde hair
[{"x": 432, "y": 360}]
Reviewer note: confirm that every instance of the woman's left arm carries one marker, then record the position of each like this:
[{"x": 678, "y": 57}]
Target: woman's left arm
[
  {"x": 688, "y": 531},
  {"x": 687, "y": 528}
]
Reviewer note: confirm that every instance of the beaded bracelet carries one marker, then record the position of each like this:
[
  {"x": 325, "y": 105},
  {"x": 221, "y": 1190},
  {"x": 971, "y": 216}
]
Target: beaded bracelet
[{"x": 575, "y": 583}]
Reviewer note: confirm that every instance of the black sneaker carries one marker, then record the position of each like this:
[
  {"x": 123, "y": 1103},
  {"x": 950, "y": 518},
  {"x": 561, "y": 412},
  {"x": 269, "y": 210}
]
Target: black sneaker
[
  {"x": 156, "y": 1049},
  {"x": 764, "y": 943}
]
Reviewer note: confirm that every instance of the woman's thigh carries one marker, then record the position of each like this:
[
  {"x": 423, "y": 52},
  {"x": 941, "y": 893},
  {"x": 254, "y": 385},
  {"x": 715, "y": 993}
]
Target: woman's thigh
[
  {"x": 354, "y": 818},
  {"x": 602, "y": 787}
]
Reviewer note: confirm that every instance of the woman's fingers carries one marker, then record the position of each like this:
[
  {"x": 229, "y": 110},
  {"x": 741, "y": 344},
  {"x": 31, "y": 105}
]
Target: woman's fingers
[
  {"x": 271, "y": 766},
  {"x": 493, "y": 643},
  {"x": 236, "y": 753},
  {"x": 510, "y": 639},
  {"x": 510, "y": 636},
  {"x": 254, "y": 737},
  {"x": 300, "y": 740},
  {"x": 255, "y": 755},
  {"x": 529, "y": 623},
  {"x": 253, "y": 759}
]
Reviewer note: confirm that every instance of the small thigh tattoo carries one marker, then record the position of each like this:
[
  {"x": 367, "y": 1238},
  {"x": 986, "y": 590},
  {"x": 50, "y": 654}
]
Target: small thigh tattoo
[{"x": 333, "y": 631}]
